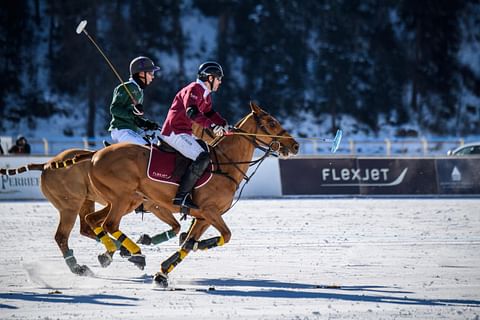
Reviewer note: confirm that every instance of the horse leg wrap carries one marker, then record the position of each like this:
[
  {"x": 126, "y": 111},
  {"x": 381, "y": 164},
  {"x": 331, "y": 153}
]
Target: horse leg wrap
[
  {"x": 191, "y": 244},
  {"x": 162, "y": 237},
  {"x": 126, "y": 242},
  {"x": 176, "y": 258},
  {"x": 105, "y": 239},
  {"x": 70, "y": 260},
  {"x": 74, "y": 266},
  {"x": 211, "y": 243}
]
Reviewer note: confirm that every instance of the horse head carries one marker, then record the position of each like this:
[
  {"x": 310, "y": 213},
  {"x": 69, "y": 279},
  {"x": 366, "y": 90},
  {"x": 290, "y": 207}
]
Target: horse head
[{"x": 271, "y": 133}]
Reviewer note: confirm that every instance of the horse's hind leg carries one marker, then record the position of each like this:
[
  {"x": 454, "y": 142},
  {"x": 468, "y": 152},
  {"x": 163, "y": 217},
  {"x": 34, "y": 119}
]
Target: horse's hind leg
[
  {"x": 65, "y": 226},
  {"x": 167, "y": 217},
  {"x": 85, "y": 230}
]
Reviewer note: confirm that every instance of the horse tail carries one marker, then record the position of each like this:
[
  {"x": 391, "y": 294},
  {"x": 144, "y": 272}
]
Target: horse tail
[
  {"x": 70, "y": 162},
  {"x": 28, "y": 167}
]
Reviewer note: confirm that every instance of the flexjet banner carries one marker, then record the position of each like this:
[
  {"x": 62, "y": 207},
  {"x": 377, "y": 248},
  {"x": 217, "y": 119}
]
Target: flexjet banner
[{"x": 363, "y": 176}]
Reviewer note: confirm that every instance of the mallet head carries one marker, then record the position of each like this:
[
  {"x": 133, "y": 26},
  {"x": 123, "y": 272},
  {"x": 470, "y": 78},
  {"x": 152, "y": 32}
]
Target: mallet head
[
  {"x": 336, "y": 141},
  {"x": 81, "y": 26}
]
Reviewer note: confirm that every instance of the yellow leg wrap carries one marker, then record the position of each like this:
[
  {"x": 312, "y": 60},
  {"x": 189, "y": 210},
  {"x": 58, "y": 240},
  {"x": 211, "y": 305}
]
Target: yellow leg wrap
[
  {"x": 105, "y": 239},
  {"x": 174, "y": 260},
  {"x": 126, "y": 242},
  {"x": 221, "y": 241},
  {"x": 183, "y": 254}
]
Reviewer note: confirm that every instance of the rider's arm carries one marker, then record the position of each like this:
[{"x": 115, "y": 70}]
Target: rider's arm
[{"x": 200, "y": 110}]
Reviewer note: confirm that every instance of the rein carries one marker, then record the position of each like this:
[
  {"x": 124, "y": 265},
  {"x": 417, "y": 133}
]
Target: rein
[{"x": 267, "y": 148}]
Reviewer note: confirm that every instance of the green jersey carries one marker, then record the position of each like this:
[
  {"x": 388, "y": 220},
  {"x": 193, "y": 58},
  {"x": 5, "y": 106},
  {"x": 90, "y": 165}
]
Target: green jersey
[{"x": 121, "y": 108}]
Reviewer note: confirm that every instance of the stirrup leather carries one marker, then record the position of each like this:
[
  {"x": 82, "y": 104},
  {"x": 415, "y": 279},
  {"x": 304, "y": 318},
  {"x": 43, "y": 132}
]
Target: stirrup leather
[{"x": 185, "y": 201}]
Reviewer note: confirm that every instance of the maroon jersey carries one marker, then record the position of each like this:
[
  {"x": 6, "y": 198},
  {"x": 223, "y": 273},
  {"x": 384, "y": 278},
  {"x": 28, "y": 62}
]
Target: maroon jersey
[{"x": 191, "y": 96}]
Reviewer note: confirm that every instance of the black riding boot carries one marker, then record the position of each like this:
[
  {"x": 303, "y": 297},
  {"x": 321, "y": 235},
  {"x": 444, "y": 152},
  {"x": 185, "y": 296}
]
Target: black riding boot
[{"x": 183, "y": 198}]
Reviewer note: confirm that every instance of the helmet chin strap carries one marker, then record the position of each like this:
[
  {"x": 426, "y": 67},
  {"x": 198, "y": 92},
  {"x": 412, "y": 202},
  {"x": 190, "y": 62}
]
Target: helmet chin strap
[
  {"x": 144, "y": 78},
  {"x": 140, "y": 80},
  {"x": 211, "y": 82}
]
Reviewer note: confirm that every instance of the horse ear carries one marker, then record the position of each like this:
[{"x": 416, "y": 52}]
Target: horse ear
[{"x": 255, "y": 108}]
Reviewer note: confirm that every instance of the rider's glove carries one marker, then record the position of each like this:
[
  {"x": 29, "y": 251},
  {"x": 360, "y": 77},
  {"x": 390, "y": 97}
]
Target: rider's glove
[
  {"x": 150, "y": 125},
  {"x": 218, "y": 130},
  {"x": 228, "y": 127},
  {"x": 138, "y": 109}
]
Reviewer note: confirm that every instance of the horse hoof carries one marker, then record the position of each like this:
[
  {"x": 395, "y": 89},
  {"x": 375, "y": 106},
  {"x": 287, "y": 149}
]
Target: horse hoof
[
  {"x": 105, "y": 259},
  {"x": 84, "y": 271},
  {"x": 124, "y": 253},
  {"x": 182, "y": 237},
  {"x": 145, "y": 239},
  {"x": 161, "y": 279},
  {"x": 138, "y": 260}
]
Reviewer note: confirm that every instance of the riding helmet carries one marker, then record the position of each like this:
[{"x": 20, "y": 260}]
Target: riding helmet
[
  {"x": 209, "y": 68},
  {"x": 142, "y": 63}
]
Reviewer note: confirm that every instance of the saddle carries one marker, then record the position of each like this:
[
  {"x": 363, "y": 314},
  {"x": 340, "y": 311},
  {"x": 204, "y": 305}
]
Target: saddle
[{"x": 167, "y": 165}]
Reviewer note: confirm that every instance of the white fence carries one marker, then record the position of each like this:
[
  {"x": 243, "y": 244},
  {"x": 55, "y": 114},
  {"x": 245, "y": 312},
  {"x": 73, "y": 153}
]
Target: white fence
[
  {"x": 379, "y": 147},
  {"x": 384, "y": 147}
]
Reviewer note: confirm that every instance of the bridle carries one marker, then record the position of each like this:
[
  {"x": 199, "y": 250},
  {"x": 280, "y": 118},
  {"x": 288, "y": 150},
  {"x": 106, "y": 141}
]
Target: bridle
[{"x": 268, "y": 148}]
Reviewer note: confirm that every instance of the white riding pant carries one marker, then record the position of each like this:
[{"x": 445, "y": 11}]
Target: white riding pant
[
  {"x": 185, "y": 144},
  {"x": 127, "y": 135}
]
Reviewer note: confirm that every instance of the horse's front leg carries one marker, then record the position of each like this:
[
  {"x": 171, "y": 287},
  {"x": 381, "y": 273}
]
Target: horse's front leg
[
  {"x": 198, "y": 227},
  {"x": 112, "y": 224},
  {"x": 95, "y": 220},
  {"x": 225, "y": 234},
  {"x": 192, "y": 243}
]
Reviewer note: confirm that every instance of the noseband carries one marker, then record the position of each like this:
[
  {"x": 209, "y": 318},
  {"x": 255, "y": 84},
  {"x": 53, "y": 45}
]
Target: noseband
[{"x": 267, "y": 147}]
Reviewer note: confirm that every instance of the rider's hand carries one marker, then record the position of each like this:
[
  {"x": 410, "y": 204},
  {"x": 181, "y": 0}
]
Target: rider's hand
[
  {"x": 151, "y": 126},
  {"x": 138, "y": 109},
  {"x": 228, "y": 127},
  {"x": 218, "y": 130}
]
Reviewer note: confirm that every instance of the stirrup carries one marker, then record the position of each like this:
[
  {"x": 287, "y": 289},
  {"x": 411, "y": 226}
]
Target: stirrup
[
  {"x": 141, "y": 209},
  {"x": 185, "y": 201}
]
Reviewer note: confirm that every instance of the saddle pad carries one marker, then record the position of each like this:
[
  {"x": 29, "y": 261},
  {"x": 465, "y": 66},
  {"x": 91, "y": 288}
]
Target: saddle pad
[{"x": 161, "y": 166}]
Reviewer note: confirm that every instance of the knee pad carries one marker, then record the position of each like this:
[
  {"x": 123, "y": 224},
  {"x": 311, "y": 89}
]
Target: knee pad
[{"x": 201, "y": 163}]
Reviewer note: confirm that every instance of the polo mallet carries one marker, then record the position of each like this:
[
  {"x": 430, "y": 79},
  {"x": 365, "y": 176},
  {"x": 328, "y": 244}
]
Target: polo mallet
[
  {"x": 335, "y": 141},
  {"x": 81, "y": 28}
]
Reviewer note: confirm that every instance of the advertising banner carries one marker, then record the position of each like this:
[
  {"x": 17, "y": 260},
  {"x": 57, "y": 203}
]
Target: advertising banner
[
  {"x": 458, "y": 175},
  {"x": 23, "y": 186},
  {"x": 313, "y": 176},
  {"x": 402, "y": 176},
  {"x": 360, "y": 176}
]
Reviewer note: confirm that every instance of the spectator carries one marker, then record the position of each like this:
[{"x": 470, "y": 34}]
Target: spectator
[
  {"x": 1, "y": 149},
  {"x": 21, "y": 146}
]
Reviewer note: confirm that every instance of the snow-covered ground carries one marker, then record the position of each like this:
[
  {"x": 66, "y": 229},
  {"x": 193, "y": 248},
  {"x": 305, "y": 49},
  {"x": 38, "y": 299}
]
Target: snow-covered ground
[{"x": 391, "y": 258}]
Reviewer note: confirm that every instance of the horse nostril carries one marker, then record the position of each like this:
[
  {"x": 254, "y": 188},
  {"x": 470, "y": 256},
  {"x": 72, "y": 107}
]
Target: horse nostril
[{"x": 296, "y": 147}]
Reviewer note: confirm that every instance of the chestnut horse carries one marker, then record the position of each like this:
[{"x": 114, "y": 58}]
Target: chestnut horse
[
  {"x": 69, "y": 191},
  {"x": 119, "y": 175}
]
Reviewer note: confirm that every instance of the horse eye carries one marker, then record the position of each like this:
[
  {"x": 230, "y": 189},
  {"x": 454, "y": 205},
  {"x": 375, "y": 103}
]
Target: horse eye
[{"x": 272, "y": 124}]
